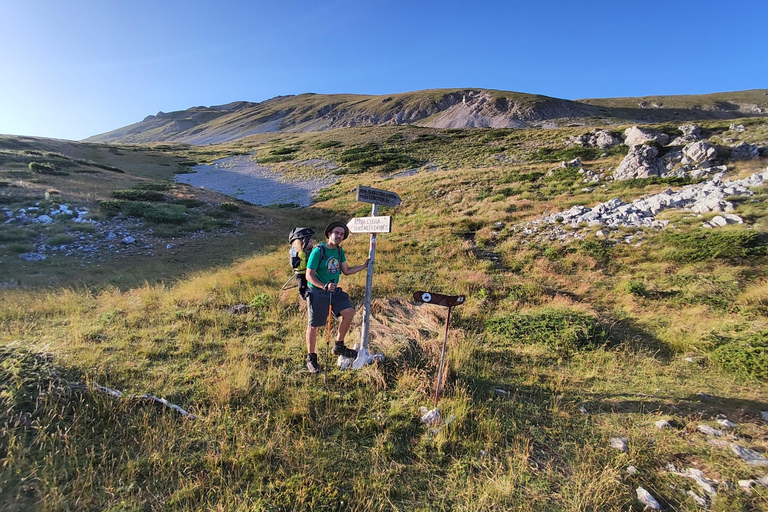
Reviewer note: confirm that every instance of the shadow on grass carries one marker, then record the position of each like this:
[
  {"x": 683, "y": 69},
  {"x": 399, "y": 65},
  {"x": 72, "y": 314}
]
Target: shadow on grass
[{"x": 701, "y": 405}]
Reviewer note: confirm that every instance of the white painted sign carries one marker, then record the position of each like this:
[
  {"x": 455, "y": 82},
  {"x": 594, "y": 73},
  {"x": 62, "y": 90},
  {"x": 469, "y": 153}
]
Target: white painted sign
[
  {"x": 370, "y": 225},
  {"x": 377, "y": 196}
]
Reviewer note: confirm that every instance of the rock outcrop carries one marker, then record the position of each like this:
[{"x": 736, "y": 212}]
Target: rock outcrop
[{"x": 640, "y": 162}]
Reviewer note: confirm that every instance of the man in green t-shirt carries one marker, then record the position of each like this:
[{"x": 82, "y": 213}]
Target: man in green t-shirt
[{"x": 326, "y": 262}]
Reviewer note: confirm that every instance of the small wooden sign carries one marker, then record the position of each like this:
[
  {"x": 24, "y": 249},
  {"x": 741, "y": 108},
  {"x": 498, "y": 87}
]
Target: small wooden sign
[
  {"x": 370, "y": 225},
  {"x": 377, "y": 196},
  {"x": 438, "y": 299}
]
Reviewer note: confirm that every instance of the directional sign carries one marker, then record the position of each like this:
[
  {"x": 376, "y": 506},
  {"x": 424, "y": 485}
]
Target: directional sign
[
  {"x": 439, "y": 300},
  {"x": 377, "y": 196},
  {"x": 370, "y": 225}
]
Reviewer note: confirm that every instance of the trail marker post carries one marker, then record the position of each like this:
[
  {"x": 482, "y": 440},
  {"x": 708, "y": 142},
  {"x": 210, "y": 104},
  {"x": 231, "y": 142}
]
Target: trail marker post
[
  {"x": 373, "y": 225},
  {"x": 448, "y": 301}
]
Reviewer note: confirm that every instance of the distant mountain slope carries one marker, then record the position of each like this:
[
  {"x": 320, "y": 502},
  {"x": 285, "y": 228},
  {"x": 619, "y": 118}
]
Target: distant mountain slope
[{"x": 437, "y": 108}]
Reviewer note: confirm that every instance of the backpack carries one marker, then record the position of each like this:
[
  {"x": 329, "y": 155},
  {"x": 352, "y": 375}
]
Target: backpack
[{"x": 298, "y": 256}]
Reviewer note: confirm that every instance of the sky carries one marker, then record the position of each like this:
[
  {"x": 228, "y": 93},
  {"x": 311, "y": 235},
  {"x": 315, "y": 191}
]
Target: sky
[{"x": 76, "y": 68}]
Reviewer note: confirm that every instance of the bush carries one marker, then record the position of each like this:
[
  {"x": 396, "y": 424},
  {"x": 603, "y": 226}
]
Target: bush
[
  {"x": 188, "y": 202},
  {"x": 601, "y": 250},
  {"x": 230, "y": 207},
  {"x": 636, "y": 288},
  {"x": 165, "y": 213},
  {"x": 748, "y": 357},
  {"x": 562, "y": 329},
  {"x": 46, "y": 168},
  {"x": 554, "y": 155},
  {"x": 370, "y": 156},
  {"x": 138, "y": 195},
  {"x": 328, "y": 144},
  {"x": 702, "y": 245}
]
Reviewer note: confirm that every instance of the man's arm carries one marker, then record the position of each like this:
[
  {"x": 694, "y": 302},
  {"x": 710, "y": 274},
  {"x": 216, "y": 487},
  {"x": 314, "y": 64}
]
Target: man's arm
[{"x": 347, "y": 270}]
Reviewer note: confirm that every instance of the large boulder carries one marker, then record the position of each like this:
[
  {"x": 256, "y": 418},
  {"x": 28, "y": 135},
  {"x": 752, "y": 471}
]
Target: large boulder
[
  {"x": 691, "y": 133},
  {"x": 596, "y": 138},
  {"x": 636, "y": 136},
  {"x": 744, "y": 151},
  {"x": 699, "y": 152},
  {"x": 640, "y": 162},
  {"x": 605, "y": 140}
]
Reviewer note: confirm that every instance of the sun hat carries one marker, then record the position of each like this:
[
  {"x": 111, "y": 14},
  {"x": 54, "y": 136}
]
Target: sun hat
[{"x": 336, "y": 224}]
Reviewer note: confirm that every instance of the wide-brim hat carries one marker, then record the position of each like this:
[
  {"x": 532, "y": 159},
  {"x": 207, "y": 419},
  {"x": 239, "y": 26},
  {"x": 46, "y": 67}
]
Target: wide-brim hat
[{"x": 336, "y": 224}]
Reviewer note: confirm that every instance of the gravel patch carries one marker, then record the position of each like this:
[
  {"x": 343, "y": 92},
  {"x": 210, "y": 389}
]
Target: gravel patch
[{"x": 241, "y": 177}]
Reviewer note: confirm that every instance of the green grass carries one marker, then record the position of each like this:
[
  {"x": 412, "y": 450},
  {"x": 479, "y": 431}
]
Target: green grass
[{"x": 557, "y": 348}]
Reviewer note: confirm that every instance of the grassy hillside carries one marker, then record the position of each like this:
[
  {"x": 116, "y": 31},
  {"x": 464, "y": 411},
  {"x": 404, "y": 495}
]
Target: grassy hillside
[
  {"x": 559, "y": 347},
  {"x": 436, "y": 108}
]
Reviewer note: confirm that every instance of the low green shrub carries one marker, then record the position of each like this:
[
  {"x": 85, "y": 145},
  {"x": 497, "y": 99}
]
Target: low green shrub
[
  {"x": 230, "y": 207},
  {"x": 165, "y": 213},
  {"x": 46, "y": 168},
  {"x": 601, "y": 250},
  {"x": 747, "y": 357},
  {"x": 148, "y": 185},
  {"x": 60, "y": 239},
  {"x": 561, "y": 329},
  {"x": 557, "y": 155},
  {"x": 703, "y": 245},
  {"x": 188, "y": 202},
  {"x": 134, "y": 194},
  {"x": 636, "y": 288},
  {"x": 328, "y": 144}
]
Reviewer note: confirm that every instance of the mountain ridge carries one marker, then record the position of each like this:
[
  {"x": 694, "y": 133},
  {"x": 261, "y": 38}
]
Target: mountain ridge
[{"x": 434, "y": 108}]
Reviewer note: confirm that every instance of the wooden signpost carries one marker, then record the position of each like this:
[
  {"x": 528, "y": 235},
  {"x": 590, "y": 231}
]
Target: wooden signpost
[
  {"x": 373, "y": 225},
  {"x": 448, "y": 301}
]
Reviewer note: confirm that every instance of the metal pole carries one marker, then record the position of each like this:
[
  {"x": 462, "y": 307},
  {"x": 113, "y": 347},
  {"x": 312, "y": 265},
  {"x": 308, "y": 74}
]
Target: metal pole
[
  {"x": 442, "y": 357},
  {"x": 366, "y": 327}
]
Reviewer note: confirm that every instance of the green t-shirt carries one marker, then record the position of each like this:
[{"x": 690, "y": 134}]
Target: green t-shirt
[{"x": 327, "y": 269}]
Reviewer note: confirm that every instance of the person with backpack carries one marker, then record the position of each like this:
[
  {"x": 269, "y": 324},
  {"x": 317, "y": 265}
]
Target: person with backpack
[
  {"x": 326, "y": 262},
  {"x": 301, "y": 246}
]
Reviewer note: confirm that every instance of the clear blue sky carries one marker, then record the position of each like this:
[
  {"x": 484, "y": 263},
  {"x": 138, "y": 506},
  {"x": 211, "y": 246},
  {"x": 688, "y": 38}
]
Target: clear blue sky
[{"x": 75, "y": 68}]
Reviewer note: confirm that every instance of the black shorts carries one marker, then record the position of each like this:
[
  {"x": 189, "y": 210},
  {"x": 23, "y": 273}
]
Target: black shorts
[{"x": 317, "y": 305}]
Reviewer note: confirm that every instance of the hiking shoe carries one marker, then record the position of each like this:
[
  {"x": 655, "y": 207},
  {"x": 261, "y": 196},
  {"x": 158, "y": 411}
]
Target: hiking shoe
[
  {"x": 340, "y": 350},
  {"x": 312, "y": 365}
]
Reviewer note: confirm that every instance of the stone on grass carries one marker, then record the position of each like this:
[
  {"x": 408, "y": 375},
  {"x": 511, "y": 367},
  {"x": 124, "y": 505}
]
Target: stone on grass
[
  {"x": 744, "y": 151},
  {"x": 31, "y": 256},
  {"x": 751, "y": 457},
  {"x": 647, "y": 500},
  {"x": 710, "y": 431},
  {"x": 619, "y": 443},
  {"x": 702, "y": 502},
  {"x": 725, "y": 422}
]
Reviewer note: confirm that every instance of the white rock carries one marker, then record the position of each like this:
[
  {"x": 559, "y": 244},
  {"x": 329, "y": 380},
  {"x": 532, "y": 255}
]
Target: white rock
[
  {"x": 31, "y": 256},
  {"x": 662, "y": 424},
  {"x": 129, "y": 240},
  {"x": 698, "y": 499},
  {"x": 647, "y": 500},
  {"x": 751, "y": 457},
  {"x": 710, "y": 431},
  {"x": 430, "y": 417},
  {"x": 724, "y": 422},
  {"x": 619, "y": 443}
]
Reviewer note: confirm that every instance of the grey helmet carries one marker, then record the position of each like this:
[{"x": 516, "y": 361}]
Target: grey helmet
[{"x": 300, "y": 233}]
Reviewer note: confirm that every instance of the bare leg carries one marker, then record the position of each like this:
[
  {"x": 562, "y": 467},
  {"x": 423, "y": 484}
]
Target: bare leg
[
  {"x": 311, "y": 339},
  {"x": 345, "y": 323}
]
